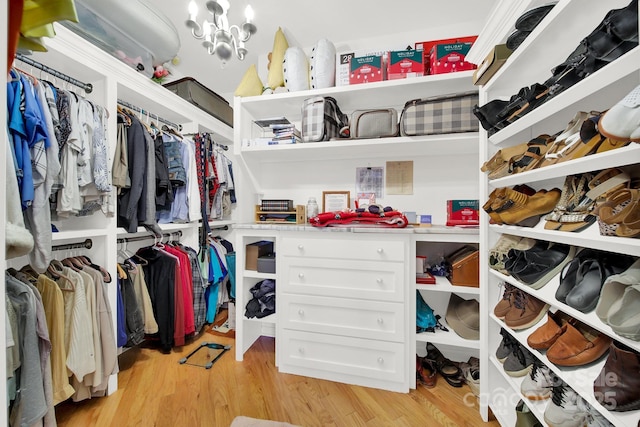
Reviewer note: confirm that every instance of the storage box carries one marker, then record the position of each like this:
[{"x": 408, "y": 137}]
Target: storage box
[
  {"x": 404, "y": 63},
  {"x": 492, "y": 63},
  {"x": 267, "y": 263},
  {"x": 202, "y": 97},
  {"x": 464, "y": 267},
  {"x": 343, "y": 63},
  {"x": 450, "y": 58},
  {"x": 366, "y": 69},
  {"x": 256, "y": 250},
  {"x": 439, "y": 115},
  {"x": 426, "y": 48},
  {"x": 463, "y": 212}
]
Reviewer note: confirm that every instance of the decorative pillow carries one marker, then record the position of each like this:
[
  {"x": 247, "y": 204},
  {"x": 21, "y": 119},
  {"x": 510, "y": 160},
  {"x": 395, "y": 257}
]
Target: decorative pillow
[
  {"x": 322, "y": 67},
  {"x": 250, "y": 85},
  {"x": 275, "y": 78},
  {"x": 296, "y": 69}
]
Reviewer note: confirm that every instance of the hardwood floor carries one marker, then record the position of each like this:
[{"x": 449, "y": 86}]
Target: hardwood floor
[{"x": 155, "y": 390}]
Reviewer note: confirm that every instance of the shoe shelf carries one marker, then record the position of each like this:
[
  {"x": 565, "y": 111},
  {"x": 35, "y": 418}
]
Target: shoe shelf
[
  {"x": 272, "y": 318},
  {"x": 537, "y": 407},
  {"x": 579, "y": 378},
  {"x": 547, "y": 294},
  {"x": 257, "y": 275},
  {"x": 541, "y": 47},
  {"x": 587, "y": 238}
]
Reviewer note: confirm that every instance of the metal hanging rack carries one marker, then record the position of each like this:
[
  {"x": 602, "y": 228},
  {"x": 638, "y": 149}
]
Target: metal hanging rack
[
  {"x": 217, "y": 144},
  {"x": 177, "y": 233},
  {"x": 87, "y": 87},
  {"x": 154, "y": 116},
  {"x": 87, "y": 244}
]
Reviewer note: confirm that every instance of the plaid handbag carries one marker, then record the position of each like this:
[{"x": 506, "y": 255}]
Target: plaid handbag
[
  {"x": 322, "y": 119},
  {"x": 443, "y": 114}
]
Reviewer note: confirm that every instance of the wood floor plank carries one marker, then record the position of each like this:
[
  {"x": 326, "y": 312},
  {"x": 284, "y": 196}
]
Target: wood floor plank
[{"x": 155, "y": 390}]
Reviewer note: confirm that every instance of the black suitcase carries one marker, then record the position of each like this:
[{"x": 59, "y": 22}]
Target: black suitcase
[{"x": 199, "y": 95}]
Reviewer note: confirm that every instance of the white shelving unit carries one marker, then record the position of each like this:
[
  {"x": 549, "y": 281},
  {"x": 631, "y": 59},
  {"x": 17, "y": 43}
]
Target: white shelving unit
[
  {"x": 112, "y": 80},
  {"x": 547, "y": 46}
]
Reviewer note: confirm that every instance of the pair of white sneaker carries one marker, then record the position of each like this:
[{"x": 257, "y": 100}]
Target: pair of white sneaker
[
  {"x": 622, "y": 121},
  {"x": 566, "y": 408}
]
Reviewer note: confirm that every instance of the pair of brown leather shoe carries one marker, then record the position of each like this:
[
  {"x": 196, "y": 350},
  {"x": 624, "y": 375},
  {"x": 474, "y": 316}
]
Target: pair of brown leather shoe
[
  {"x": 620, "y": 379},
  {"x": 569, "y": 342},
  {"x": 426, "y": 373},
  {"x": 519, "y": 309},
  {"x": 512, "y": 207}
]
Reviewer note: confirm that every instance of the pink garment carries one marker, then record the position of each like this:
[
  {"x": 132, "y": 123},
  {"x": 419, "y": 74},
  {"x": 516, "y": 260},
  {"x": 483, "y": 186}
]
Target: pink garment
[{"x": 186, "y": 280}]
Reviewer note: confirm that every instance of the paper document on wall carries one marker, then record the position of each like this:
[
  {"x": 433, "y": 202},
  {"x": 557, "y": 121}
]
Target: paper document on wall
[{"x": 400, "y": 177}]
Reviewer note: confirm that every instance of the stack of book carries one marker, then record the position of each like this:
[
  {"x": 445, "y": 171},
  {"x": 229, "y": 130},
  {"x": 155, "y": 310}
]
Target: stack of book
[{"x": 282, "y": 130}]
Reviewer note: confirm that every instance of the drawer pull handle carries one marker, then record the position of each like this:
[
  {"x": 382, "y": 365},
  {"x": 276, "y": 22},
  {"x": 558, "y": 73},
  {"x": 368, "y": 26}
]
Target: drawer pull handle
[
  {"x": 380, "y": 250},
  {"x": 301, "y": 312},
  {"x": 301, "y": 275},
  {"x": 301, "y": 350},
  {"x": 379, "y": 280},
  {"x": 300, "y": 247},
  {"x": 380, "y": 321},
  {"x": 380, "y": 360}
]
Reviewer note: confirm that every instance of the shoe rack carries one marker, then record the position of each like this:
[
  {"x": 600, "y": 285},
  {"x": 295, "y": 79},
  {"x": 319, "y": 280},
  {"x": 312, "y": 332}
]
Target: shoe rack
[{"x": 551, "y": 42}]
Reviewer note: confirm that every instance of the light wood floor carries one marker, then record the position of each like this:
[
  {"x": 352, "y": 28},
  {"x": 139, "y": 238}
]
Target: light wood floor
[{"x": 155, "y": 390}]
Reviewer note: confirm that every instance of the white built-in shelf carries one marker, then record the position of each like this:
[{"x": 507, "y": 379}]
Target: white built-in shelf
[
  {"x": 401, "y": 147},
  {"x": 447, "y": 338},
  {"x": 385, "y": 94},
  {"x": 444, "y": 285},
  {"x": 578, "y": 378},
  {"x": 79, "y": 234},
  {"x": 272, "y": 318},
  {"x": 589, "y": 237},
  {"x": 166, "y": 228},
  {"x": 257, "y": 275}
]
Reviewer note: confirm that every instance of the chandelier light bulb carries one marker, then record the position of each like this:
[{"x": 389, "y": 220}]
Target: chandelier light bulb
[
  {"x": 193, "y": 10},
  {"x": 248, "y": 13}
]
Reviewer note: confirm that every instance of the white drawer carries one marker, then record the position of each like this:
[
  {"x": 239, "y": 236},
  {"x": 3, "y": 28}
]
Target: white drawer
[
  {"x": 363, "y": 247},
  {"x": 382, "y": 281},
  {"x": 342, "y": 359},
  {"x": 348, "y": 317}
]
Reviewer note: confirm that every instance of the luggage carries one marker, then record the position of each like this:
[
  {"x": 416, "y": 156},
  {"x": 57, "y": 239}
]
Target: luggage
[
  {"x": 200, "y": 96},
  {"x": 377, "y": 123},
  {"x": 437, "y": 115},
  {"x": 464, "y": 267},
  {"x": 322, "y": 119}
]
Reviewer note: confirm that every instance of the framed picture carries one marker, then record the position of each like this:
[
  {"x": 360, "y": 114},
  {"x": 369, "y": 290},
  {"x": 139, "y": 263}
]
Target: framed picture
[{"x": 335, "y": 201}]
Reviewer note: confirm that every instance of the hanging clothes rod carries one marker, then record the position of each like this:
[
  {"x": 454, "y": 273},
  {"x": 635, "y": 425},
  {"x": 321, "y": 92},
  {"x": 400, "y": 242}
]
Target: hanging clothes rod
[
  {"x": 177, "y": 233},
  {"x": 87, "y": 87},
  {"x": 208, "y": 135},
  {"x": 155, "y": 116},
  {"x": 87, "y": 244},
  {"x": 218, "y": 227}
]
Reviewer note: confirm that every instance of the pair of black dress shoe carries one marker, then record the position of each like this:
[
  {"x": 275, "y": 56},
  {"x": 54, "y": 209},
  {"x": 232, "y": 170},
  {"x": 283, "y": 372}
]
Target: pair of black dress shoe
[
  {"x": 581, "y": 279},
  {"x": 536, "y": 266}
]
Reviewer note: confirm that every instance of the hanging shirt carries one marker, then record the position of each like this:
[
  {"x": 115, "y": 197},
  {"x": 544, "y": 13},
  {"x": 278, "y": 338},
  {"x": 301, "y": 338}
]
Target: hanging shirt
[{"x": 17, "y": 127}]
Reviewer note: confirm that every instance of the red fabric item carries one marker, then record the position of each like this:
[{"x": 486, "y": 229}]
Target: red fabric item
[
  {"x": 13, "y": 37},
  {"x": 178, "y": 308},
  {"x": 186, "y": 282},
  {"x": 391, "y": 219}
]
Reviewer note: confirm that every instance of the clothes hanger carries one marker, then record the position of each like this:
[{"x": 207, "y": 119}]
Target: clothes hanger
[
  {"x": 55, "y": 271},
  {"x": 71, "y": 263},
  {"x": 121, "y": 273}
]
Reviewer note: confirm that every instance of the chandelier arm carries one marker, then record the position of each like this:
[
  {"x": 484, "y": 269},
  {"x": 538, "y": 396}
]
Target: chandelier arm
[{"x": 195, "y": 34}]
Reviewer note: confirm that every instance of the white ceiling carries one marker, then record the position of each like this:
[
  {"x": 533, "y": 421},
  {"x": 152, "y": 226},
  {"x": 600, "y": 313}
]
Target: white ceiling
[{"x": 349, "y": 24}]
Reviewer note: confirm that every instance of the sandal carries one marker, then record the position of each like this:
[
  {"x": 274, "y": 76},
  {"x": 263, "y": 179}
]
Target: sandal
[
  {"x": 536, "y": 149},
  {"x": 615, "y": 209},
  {"x": 590, "y": 140},
  {"x": 560, "y": 141},
  {"x": 503, "y": 156},
  {"x": 445, "y": 367}
]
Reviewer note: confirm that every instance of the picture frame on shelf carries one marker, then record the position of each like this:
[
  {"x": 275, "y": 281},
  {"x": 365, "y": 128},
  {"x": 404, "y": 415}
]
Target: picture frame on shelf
[{"x": 335, "y": 201}]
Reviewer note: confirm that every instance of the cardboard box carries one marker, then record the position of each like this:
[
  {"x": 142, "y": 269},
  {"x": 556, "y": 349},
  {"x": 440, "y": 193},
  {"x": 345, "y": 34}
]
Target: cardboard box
[
  {"x": 492, "y": 63},
  {"x": 404, "y": 63},
  {"x": 450, "y": 58},
  {"x": 463, "y": 212},
  {"x": 267, "y": 263},
  {"x": 366, "y": 69},
  {"x": 343, "y": 63},
  {"x": 256, "y": 250},
  {"x": 426, "y": 48}
]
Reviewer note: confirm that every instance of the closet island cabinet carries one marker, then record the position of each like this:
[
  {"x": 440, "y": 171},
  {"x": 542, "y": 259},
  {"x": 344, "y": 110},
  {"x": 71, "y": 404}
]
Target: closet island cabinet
[
  {"x": 555, "y": 38},
  {"x": 346, "y": 297},
  {"x": 113, "y": 82}
]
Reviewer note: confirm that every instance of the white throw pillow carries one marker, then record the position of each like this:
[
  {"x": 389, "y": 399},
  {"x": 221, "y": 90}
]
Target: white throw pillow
[
  {"x": 322, "y": 66},
  {"x": 296, "y": 69}
]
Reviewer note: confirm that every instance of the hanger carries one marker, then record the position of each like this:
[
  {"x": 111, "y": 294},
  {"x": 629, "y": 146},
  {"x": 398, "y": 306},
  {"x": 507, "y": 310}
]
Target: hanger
[
  {"x": 121, "y": 273},
  {"x": 55, "y": 271},
  {"x": 72, "y": 264}
]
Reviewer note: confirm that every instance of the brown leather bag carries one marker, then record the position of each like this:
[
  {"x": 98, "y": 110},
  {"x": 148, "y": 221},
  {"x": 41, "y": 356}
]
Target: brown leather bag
[{"x": 464, "y": 267}]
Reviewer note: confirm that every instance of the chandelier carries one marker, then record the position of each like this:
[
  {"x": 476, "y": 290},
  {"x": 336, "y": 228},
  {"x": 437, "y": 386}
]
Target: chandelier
[{"x": 218, "y": 37}]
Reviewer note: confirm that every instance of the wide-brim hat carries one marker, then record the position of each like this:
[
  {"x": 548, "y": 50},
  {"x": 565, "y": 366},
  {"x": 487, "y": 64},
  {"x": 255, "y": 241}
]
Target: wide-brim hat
[{"x": 463, "y": 316}]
